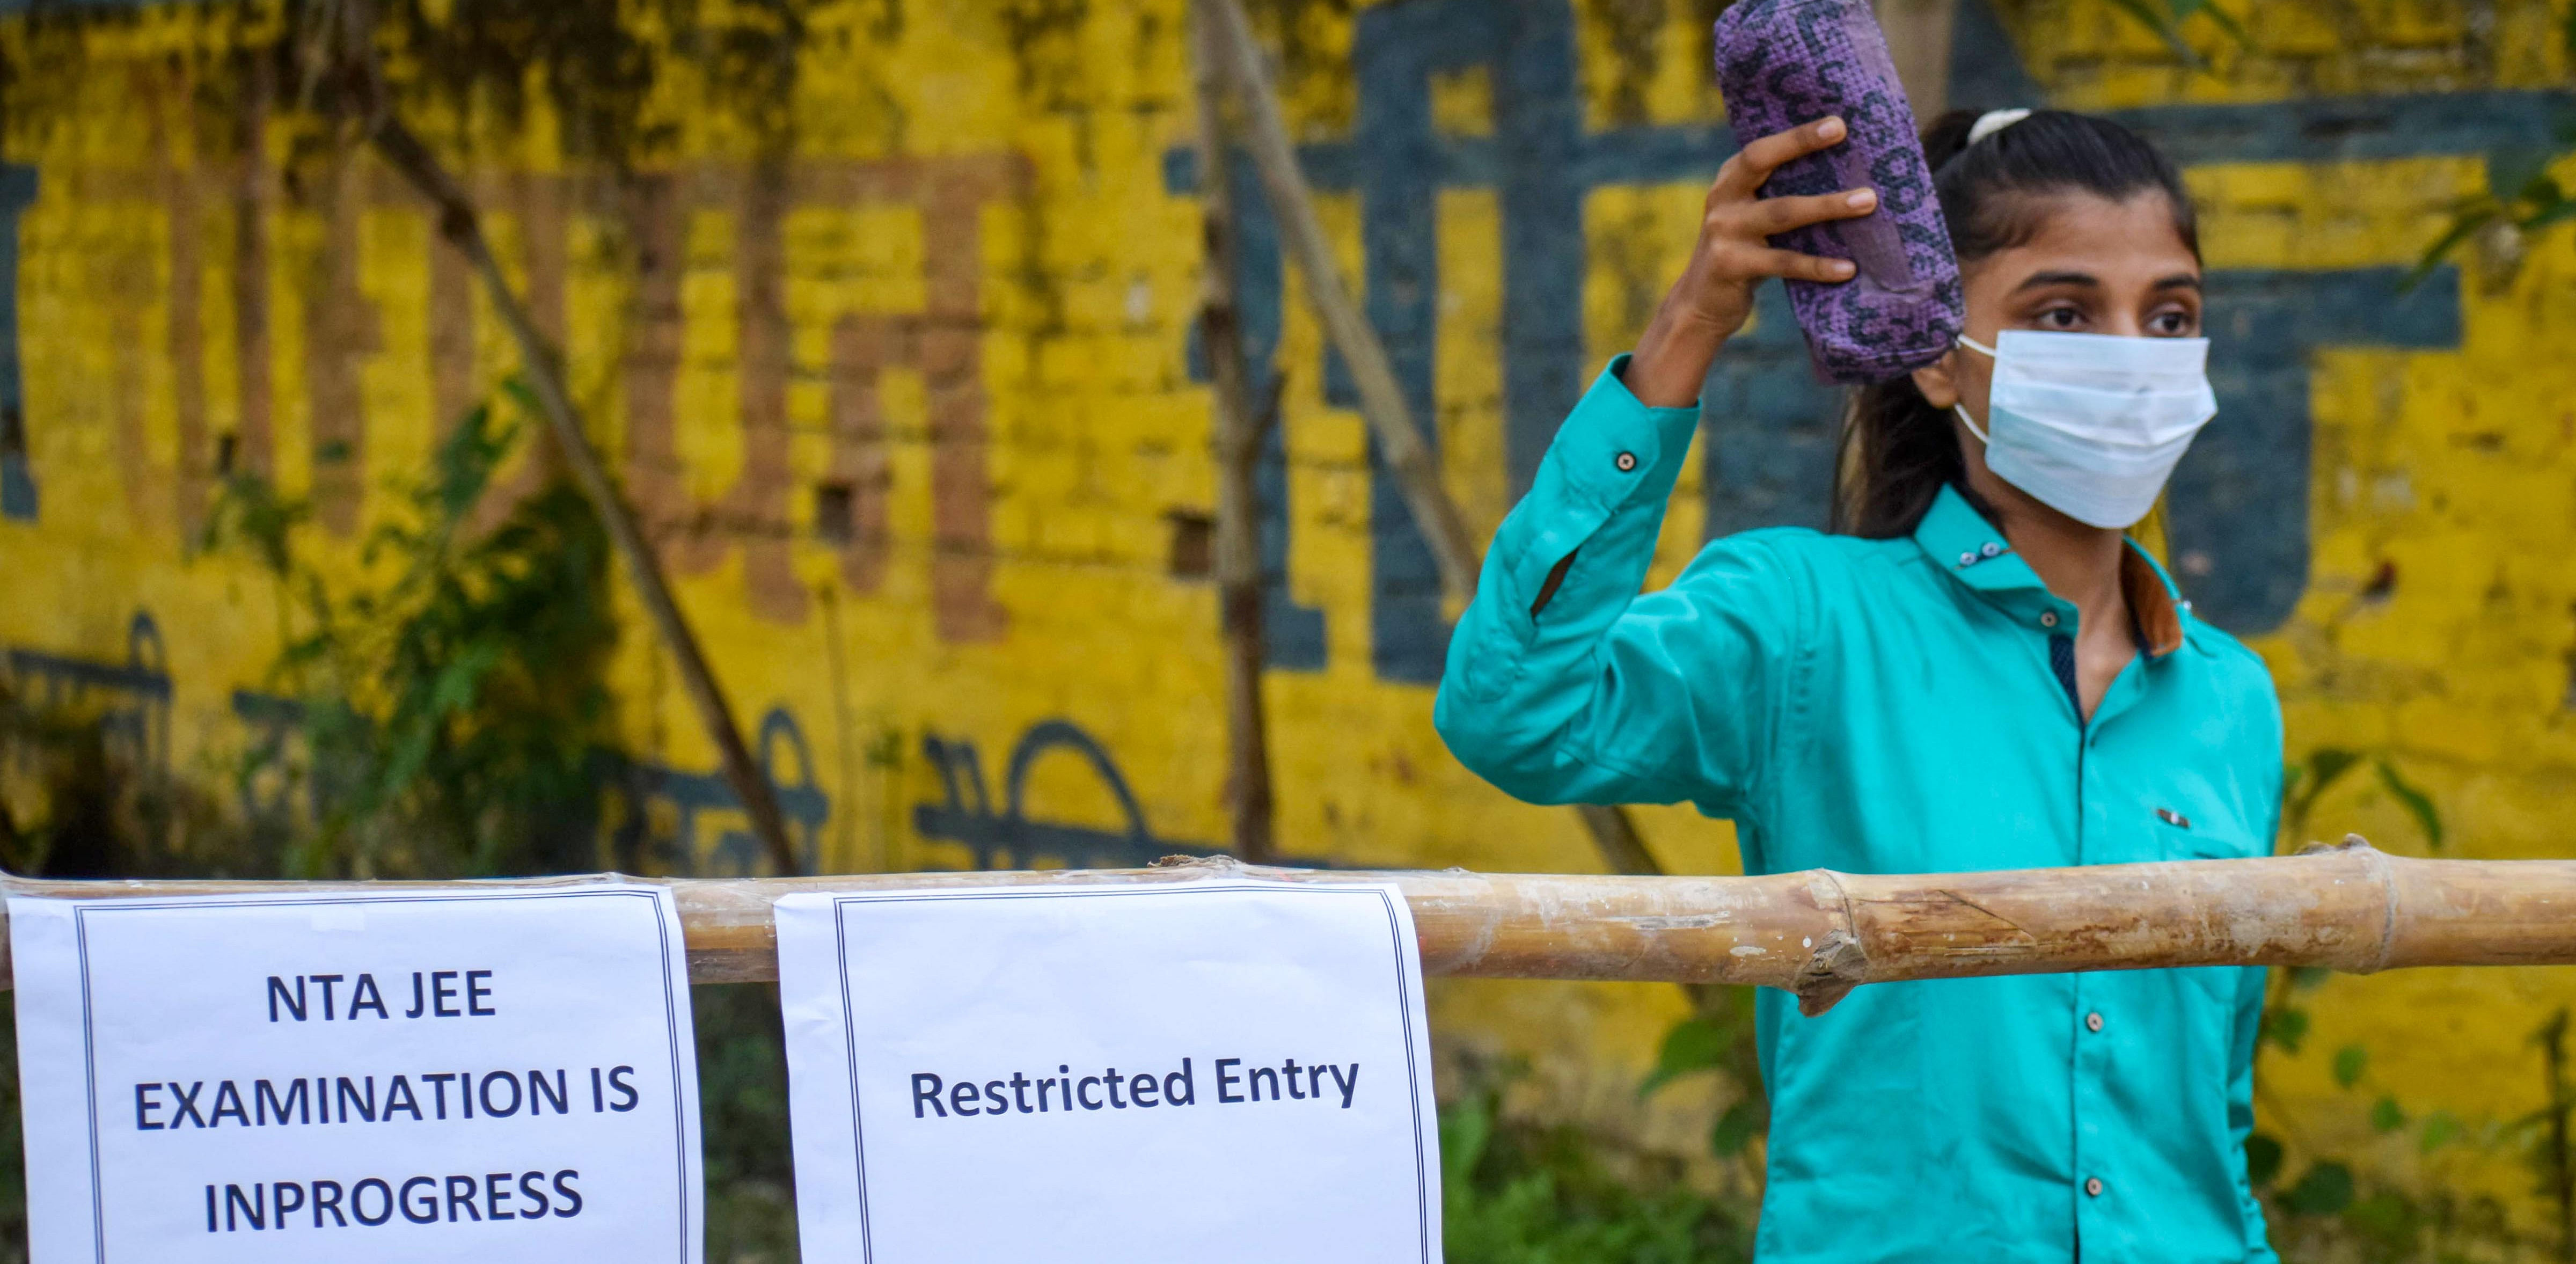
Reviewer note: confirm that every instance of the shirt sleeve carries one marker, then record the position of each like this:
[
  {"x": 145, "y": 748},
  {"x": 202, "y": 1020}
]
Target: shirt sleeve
[{"x": 1563, "y": 684}]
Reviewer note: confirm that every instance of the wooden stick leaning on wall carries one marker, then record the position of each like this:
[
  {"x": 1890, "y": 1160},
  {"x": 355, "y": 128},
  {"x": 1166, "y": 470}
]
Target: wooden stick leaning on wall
[
  {"x": 1918, "y": 38},
  {"x": 357, "y": 90},
  {"x": 1230, "y": 45},
  {"x": 1238, "y": 450},
  {"x": 1417, "y": 472},
  {"x": 1816, "y": 933}
]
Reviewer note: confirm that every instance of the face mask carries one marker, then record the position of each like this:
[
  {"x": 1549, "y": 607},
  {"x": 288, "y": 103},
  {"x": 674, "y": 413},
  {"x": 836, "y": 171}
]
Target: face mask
[{"x": 2092, "y": 424}]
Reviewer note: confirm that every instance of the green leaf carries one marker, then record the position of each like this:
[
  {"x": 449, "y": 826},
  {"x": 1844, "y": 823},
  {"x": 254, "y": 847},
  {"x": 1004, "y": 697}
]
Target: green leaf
[
  {"x": 2325, "y": 1190},
  {"x": 1734, "y": 1130},
  {"x": 2349, "y": 1062},
  {"x": 2513, "y": 170},
  {"x": 462, "y": 679},
  {"x": 2285, "y": 1027},
  {"x": 2441, "y": 1128},
  {"x": 2391, "y": 1220},
  {"x": 2385, "y": 1116},
  {"x": 2550, "y": 212},
  {"x": 2262, "y": 1159},
  {"x": 2327, "y": 765},
  {"x": 408, "y": 757},
  {"x": 1464, "y": 1131},
  {"x": 2464, "y": 225},
  {"x": 2428, "y": 818},
  {"x": 1694, "y": 1044}
]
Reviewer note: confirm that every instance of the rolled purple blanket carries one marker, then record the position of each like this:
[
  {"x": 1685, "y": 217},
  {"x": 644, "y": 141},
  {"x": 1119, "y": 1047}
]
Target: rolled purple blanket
[{"x": 1786, "y": 62}]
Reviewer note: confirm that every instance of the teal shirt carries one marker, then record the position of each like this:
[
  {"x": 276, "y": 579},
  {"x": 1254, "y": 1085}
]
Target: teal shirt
[{"x": 1893, "y": 706}]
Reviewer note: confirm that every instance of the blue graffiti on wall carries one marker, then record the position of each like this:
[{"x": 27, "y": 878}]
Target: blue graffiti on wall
[
  {"x": 17, "y": 476},
  {"x": 2240, "y": 499},
  {"x": 1010, "y": 839},
  {"x": 736, "y": 852},
  {"x": 130, "y": 701}
]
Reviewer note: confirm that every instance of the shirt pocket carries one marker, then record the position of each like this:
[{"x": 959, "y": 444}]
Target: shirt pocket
[{"x": 2183, "y": 835}]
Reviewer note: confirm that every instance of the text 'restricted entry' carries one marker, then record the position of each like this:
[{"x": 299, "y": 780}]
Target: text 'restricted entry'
[
  {"x": 1185, "y": 1071},
  {"x": 422, "y": 1075}
]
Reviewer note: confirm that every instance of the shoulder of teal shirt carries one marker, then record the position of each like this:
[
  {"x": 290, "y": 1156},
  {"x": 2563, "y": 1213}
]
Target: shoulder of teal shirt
[{"x": 2244, "y": 681}]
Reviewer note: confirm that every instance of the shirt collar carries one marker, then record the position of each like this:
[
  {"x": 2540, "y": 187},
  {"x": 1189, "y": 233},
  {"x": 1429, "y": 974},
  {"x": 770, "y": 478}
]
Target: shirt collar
[
  {"x": 2154, "y": 601},
  {"x": 1971, "y": 550}
]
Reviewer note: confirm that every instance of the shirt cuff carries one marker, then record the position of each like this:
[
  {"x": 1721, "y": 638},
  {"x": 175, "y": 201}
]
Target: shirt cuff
[{"x": 1613, "y": 445}]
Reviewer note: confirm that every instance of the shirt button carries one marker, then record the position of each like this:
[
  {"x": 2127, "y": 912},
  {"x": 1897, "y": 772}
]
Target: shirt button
[
  {"x": 1967, "y": 559},
  {"x": 2048, "y": 619},
  {"x": 1992, "y": 549},
  {"x": 1627, "y": 462},
  {"x": 2093, "y": 1186},
  {"x": 2093, "y": 1021}
]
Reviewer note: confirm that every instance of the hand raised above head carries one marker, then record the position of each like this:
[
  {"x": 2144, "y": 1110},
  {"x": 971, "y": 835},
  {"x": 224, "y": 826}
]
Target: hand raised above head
[{"x": 1714, "y": 294}]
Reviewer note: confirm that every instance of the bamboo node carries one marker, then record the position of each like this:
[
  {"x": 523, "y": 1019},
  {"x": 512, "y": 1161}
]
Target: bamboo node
[
  {"x": 1220, "y": 864},
  {"x": 2348, "y": 842},
  {"x": 1836, "y": 967}
]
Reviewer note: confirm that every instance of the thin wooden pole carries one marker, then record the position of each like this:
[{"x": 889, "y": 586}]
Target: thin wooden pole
[
  {"x": 1918, "y": 40},
  {"x": 1231, "y": 49},
  {"x": 359, "y": 91},
  {"x": 1817, "y": 933},
  {"x": 1399, "y": 439},
  {"x": 1238, "y": 450}
]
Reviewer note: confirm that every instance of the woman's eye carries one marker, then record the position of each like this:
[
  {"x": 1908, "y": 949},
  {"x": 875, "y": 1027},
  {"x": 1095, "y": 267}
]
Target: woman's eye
[
  {"x": 2061, "y": 318},
  {"x": 2172, "y": 324}
]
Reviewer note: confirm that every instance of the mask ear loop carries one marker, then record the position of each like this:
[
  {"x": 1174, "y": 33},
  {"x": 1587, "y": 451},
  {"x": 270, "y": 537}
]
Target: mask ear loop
[{"x": 1961, "y": 407}]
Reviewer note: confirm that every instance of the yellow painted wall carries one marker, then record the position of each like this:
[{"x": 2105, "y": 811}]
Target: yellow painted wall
[{"x": 974, "y": 197}]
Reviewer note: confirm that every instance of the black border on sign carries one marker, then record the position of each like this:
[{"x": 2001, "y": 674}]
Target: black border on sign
[
  {"x": 670, "y": 1015},
  {"x": 1423, "y": 1192}
]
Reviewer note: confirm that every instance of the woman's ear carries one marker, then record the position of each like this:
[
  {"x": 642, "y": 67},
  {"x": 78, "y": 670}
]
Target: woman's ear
[{"x": 1939, "y": 389}]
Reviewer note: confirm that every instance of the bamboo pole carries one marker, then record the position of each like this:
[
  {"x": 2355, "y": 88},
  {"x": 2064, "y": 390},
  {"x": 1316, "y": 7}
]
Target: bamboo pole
[
  {"x": 1238, "y": 450},
  {"x": 1817, "y": 933},
  {"x": 344, "y": 62}
]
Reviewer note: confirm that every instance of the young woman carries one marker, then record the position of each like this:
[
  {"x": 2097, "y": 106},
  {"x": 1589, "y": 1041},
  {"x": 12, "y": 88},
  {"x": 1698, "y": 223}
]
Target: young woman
[{"x": 1979, "y": 671}]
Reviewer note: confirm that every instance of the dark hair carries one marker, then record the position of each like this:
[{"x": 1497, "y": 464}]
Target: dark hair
[{"x": 1897, "y": 450}]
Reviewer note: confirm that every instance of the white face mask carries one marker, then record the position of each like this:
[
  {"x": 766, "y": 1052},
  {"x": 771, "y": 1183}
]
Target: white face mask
[{"x": 2092, "y": 424}]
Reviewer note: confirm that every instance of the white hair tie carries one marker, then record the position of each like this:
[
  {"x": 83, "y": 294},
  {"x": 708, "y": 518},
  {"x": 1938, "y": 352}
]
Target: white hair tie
[{"x": 1993, "y": 121}]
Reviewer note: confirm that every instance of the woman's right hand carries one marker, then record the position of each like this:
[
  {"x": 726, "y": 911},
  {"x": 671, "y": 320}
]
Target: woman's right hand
[{"x": 1714, "y": 296}]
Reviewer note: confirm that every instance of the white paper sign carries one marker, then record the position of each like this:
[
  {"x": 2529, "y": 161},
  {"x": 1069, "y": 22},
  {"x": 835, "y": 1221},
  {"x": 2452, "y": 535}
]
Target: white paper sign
[
  {"x": 1192, "y": 1072},
  {"x": 424, "y": 1075}
]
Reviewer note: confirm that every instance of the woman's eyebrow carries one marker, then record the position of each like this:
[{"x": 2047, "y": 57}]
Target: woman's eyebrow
[
  {"x": 2038, "y": 280},
  {"x": 2178, "y": 281}
]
